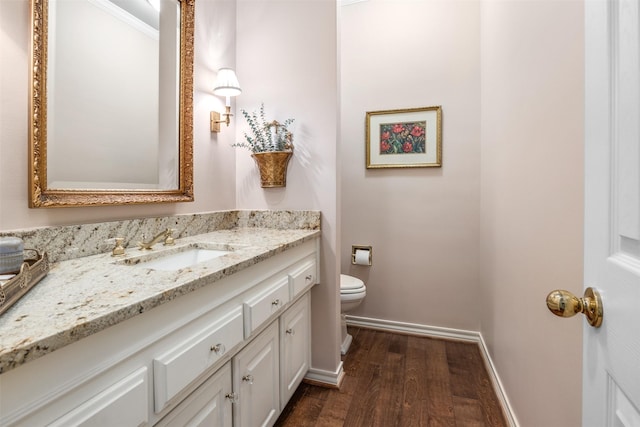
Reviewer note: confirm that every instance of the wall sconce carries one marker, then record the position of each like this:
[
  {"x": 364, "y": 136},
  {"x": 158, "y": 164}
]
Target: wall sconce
[{"x": 226, "y": 85}]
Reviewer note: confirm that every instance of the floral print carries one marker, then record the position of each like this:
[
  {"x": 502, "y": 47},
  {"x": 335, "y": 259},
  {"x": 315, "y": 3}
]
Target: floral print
[{"x": 403, "y": 138}]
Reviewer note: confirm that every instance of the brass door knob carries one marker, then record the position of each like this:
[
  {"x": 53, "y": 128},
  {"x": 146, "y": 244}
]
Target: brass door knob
[{"x": 565, "y": 304}]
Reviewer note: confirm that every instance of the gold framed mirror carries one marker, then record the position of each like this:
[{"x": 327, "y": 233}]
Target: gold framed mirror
[{"x": 109, "y": 124}]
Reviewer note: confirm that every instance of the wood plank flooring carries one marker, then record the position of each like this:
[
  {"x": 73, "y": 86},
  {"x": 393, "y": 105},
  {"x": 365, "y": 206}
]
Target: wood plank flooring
[{"x": 401, "y": 380}]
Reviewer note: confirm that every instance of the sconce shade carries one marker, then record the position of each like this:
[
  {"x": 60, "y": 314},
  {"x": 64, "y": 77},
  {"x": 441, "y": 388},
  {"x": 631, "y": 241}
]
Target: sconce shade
[{"x": 226, "y": 83}]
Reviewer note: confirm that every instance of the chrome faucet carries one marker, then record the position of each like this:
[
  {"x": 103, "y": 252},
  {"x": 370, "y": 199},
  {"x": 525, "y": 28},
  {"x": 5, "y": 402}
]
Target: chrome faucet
[{"x": 166, "y": 235}]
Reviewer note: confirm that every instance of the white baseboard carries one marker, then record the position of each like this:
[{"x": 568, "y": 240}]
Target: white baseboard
[
  {"x": 497, "y": 384},
  {"x": 326, "y": 378},
  {"x": 413, "y": 328},
  {"x": 447, "y": 333}
]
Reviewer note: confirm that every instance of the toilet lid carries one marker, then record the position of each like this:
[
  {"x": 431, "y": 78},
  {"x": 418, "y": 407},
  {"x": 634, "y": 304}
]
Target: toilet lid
[{"x": 350, "y": 283}]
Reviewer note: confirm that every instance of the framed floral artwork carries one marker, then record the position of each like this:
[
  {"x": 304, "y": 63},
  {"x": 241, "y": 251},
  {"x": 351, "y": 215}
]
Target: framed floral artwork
[{"x": 410, "y": 138}]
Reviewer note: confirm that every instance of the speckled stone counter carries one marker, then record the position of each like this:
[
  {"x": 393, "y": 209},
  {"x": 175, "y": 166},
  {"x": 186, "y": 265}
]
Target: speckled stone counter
[{"x": 84, "y": 295}]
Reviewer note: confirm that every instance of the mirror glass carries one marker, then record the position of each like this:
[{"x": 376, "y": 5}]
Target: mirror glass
[{"x": 111, "y": 102}]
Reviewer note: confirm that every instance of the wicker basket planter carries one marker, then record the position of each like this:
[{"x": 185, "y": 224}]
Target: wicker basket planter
[{"x": 273, "y": 167}]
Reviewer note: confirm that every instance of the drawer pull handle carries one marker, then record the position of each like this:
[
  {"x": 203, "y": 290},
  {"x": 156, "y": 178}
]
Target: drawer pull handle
[
  {"x": 248, "y": 378},
  {"x": 218, "y": 348},
  {"x": 290, "y": 331},
  {"x": 233, "y": 397},
  {"x": 275, "y": 302},
  {"x": 309, "y": 278}
]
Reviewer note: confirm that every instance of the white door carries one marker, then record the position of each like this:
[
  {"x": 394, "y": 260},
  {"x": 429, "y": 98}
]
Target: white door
[{"x": 611, "y": 362}]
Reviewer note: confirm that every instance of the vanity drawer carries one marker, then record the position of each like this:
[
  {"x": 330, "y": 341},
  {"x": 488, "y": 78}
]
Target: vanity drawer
[
  {"x": 182, "y": 364},
  {"x": 302, "y": 276},
  {"x": 124, "y": 403},
  {"x": 261, "y": 306}
]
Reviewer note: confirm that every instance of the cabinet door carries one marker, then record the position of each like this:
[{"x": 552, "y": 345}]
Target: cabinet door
[
  {"x": 256, "y": 381},
  {"x": 295, "y": 347},
  {"x": 207, "y": 406}
]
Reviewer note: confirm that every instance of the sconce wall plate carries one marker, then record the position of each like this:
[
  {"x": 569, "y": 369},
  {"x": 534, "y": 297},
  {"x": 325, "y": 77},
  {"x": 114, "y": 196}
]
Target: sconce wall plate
[{"x": 215, "y": 121}]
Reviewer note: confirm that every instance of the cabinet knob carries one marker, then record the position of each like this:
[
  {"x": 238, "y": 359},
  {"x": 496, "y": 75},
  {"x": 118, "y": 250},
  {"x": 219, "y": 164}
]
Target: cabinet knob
[
  {"x": 290, "y": 331},
  {"x": 218, "y": 348},
  {"x": 248, "y": 378},
  {"x": 309, "y": 278},
  {"x": 275, "y": 302},
  {"x": 233, "y": 397}
]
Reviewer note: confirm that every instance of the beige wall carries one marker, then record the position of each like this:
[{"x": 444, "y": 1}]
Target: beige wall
[
  {"x": 214, "y": 165},
  {"x": 423, "y": 223},
  {"x": 287, "y": 60},
  {"x": 531, "y": 202}
]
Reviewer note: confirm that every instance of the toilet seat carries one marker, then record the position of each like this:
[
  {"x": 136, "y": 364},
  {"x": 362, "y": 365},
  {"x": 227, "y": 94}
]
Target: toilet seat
[
  {"x": 352, "y": 291},
  {"x": 351, "y": 285}
]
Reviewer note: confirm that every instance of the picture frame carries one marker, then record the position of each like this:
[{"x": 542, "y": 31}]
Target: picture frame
[{"x": 406, "y": 138}]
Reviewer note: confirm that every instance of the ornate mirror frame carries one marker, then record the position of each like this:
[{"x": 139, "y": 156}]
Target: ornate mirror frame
[{"x": 42, "y": 197}]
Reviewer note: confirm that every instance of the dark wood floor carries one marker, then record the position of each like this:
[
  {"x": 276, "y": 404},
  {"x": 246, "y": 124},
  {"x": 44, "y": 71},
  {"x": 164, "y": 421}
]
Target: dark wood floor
[{"x": 401, "y": 380}]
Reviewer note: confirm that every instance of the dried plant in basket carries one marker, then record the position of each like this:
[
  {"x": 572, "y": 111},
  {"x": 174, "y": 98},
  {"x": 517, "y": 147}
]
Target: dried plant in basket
[
  {"x": 271, "y": 146},
  {"x": 266, "y": 136}
]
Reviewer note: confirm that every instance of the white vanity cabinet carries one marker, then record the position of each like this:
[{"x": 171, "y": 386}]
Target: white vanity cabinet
[
  {"x": 228, "y": 353},
  {"x": 266, "y": 373}
]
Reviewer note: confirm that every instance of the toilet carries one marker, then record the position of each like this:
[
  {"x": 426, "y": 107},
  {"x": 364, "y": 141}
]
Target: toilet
[{"x": 352, "y": 292}]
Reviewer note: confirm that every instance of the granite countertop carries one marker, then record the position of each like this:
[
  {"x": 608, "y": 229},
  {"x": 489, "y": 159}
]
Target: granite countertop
[{"x": 82, "y": 296}]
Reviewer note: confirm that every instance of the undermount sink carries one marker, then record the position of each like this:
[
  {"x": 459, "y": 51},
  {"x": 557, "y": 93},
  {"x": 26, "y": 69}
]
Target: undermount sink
[{"x": 178, "y": 258}]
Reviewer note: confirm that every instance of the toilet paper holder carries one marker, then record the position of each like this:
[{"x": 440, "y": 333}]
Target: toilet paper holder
[{"x": 355, "y": 248}]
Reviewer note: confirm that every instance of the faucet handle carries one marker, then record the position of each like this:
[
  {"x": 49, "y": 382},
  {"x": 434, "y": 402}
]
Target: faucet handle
[
  {"x": 140, "y": 243},
  {"x": 119, "y": 248},
  {"x": 169, "y": 240}
]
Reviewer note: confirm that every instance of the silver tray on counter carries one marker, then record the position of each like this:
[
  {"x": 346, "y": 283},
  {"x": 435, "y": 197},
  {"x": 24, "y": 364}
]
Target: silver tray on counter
[{"x": 32, "y": 270}]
